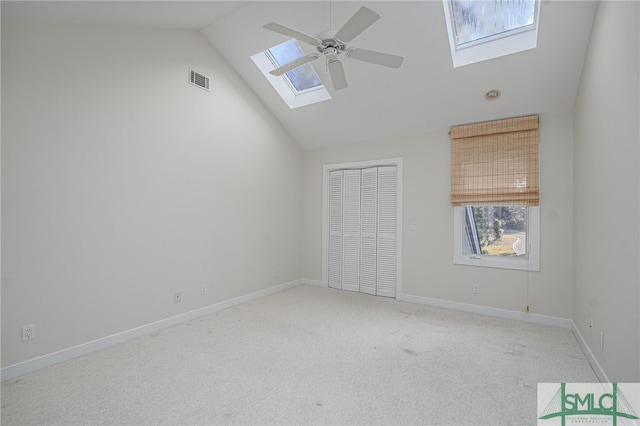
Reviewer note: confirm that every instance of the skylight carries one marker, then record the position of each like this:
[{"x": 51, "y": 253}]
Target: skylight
[
  {"x": 476, "y": 20},
  {"x": 302, "y": 78},
  {"x": 298, "y": 87},
  {"x": 485, "y": 29}
]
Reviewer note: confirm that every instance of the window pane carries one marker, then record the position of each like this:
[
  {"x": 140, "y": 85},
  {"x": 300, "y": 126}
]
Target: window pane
[
  {"x": 304, "y": 77},
  {"x": 476, "y": 19},
  {"x": 496, "y": 231}
]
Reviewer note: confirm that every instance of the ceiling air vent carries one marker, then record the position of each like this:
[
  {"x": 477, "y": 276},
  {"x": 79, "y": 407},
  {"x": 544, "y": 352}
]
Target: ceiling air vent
[{"x": 198, "y": 79}]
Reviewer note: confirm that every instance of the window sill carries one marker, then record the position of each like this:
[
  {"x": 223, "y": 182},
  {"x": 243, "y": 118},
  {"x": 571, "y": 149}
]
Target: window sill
[{"x": 522, "y": 264}]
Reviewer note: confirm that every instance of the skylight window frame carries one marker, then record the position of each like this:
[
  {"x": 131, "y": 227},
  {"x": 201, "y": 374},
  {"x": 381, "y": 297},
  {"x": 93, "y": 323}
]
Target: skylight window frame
[
  {"x": 283, "y": 86},
  {"x": 497, "y": 36},
  {"x": 493, "y": 46},
  {"x": 288, "y": 80}
]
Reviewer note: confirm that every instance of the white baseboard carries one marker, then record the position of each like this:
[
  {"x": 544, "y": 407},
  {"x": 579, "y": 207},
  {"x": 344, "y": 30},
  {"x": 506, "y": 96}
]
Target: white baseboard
[
  {"x": 15, "y": 370},
  {"x": 602, "y": 376},
  {"x": 484, "y": 310},
  {"x": 317, "y": 283}
]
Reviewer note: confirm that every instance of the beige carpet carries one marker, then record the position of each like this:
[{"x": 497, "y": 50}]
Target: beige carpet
[{"x": 309, "y": 355}]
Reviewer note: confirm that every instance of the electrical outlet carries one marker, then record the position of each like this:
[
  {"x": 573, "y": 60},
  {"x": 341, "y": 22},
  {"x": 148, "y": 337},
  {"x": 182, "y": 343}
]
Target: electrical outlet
[
  {"x": 203, "y": 290},
  {"x": 476, "y": 289},
  {"x": 28, "y": 332},
  {"x": 274, "y": 273},
  {"x": 177, "y": 297}
]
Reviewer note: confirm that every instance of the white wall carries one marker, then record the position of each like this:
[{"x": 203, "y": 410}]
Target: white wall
[
  {"x": 428, "y": 269},
  {"x": 122, "y": 183},
  {"x": 606, "y": 207}
]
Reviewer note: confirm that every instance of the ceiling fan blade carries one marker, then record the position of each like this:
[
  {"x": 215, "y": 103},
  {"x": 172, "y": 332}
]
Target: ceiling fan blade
[
  {"x": 290, "y": 32},
  {"x": 336, "y": 71},
  {"x": 359, "y": 22},
  {"x": 294, "y": 64},
  {"x": 379, "y": 58}
]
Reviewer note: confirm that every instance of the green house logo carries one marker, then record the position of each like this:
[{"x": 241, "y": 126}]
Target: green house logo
[{"x": 584, "y": 404}]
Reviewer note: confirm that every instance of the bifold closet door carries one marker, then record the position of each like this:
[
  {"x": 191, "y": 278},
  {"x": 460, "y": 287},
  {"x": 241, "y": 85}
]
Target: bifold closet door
[
  {"x": 369, "y": 230},
  {"x": 387, "y": 221},
  {"x": 335, "y": 228},
  {"x": 362, "y": 230},
  {"x": 351, "y": 231}
]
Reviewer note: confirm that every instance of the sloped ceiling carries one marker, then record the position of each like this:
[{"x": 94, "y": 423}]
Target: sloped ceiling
[{"x": 425, "y": 95}]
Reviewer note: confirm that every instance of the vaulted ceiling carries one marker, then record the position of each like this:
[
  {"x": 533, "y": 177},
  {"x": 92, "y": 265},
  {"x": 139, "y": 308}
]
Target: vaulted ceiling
[{"x": 426, "y": 94}]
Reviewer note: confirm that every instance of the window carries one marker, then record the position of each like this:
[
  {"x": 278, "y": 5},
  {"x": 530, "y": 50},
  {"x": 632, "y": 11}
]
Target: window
[
  {"x": 497, "y": 236},
  {"x": 479, "y": 20},
  {"x": 302, "y": 78},
  {"x": 299, "y": 87},
  {"x": 485, "y": 29},
  {"x": 495, "y": 193}
]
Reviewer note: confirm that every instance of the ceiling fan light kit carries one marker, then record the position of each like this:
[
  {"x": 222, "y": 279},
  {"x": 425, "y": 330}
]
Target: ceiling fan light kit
[{"x": 331, "y": 44}]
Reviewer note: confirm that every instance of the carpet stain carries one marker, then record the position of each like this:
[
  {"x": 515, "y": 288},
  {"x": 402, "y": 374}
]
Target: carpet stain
[
  {"x": 410, "y": 352},
  {"x": 523, "y": 384},
  {"x": 516, "y": 351}
]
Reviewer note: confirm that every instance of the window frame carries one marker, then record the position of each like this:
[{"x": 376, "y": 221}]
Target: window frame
[
  {"x": 294, "y": 99},
  {"x": 292, "y": 86},
  {"x": 531, "y": 262},
  {"x": 495, "y": 46}
]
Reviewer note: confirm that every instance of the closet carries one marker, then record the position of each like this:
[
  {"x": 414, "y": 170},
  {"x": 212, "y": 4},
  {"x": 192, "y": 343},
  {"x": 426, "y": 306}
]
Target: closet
[{"x": 362, "y": 230}]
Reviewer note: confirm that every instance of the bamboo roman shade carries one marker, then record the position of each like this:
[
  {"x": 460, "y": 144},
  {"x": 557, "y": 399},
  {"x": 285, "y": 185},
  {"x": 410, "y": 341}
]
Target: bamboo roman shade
[{"x": 495, "y": 163}]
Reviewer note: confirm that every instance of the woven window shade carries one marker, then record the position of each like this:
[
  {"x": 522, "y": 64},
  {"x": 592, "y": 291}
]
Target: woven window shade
[{"x": 495, "y": 163}]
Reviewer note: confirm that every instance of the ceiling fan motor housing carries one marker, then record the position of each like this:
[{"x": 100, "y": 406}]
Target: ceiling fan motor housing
[
  {"x": 331, "y": 52},
  {"x": 330, "y": 45}
]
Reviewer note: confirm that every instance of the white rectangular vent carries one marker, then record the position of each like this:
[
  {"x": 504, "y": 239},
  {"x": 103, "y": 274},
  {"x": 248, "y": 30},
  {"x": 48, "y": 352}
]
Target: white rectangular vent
[{"x": 198, "y": 79}]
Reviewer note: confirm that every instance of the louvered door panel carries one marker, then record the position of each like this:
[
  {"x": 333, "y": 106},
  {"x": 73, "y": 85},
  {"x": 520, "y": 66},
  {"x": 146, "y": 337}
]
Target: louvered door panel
[
  {"x": 335, "y": 228},
  {"x": 351, "y": 231},
  {"x": 369, "y": 215},
  {"x": 387, "y": 220}
]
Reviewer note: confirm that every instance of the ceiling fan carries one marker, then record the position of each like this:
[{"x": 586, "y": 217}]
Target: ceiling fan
[{"x": 331, "y": 44}]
